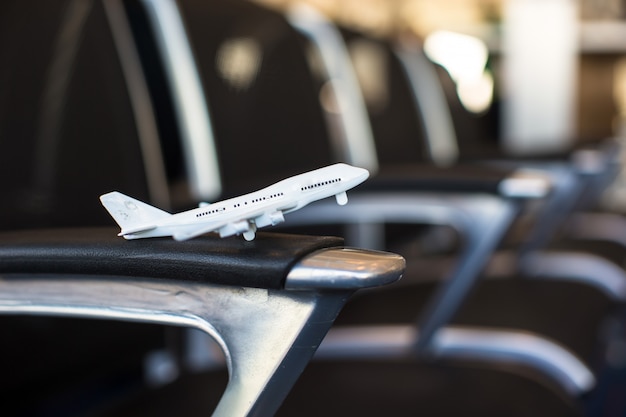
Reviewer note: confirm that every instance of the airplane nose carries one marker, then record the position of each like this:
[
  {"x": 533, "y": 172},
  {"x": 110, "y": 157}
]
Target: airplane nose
[{"x": 362, "y": 174}]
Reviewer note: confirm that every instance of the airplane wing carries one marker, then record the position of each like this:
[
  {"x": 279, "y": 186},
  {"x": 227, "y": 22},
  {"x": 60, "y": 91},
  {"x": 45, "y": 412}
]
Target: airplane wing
[
  {"x": 269, "y": 218},
  {"x": 190, "y": 233},
  {"x": 246, "y": 226},
  {"x": 223, "y": 228}
]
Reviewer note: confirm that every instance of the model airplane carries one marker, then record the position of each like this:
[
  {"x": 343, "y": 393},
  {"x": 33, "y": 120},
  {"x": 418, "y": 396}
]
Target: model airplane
[{"x": 239, "y": 215}]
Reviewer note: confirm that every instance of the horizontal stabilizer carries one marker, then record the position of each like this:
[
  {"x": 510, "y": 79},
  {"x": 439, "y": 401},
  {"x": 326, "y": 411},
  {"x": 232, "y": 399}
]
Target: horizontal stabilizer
[{"x": 145, "y": 228}]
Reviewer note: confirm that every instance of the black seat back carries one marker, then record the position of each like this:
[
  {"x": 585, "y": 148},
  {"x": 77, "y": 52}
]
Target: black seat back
[
  {"x": 263, "y": 105},
  {"x": 67, "y": 128},
  {"x": 392, "y": 109},
  {"x": 68, "y": 133}
]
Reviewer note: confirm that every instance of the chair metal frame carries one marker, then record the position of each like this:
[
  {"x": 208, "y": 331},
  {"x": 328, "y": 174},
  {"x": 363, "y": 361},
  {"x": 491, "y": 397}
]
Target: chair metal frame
[
  {"x": 268, "y": 335},
  {"x": 483, "y": 219}
]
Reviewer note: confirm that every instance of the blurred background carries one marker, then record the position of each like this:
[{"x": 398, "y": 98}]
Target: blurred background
[
  {"x": 102, "y": 95},
  {"x": 574, "y": 48},
  {"x": 531, "y": 76}
]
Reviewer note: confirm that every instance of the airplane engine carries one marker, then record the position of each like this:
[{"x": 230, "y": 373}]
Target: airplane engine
[
  {"x": 342, "y": 198},
  {"x": 269, "y": 219},
  {"x": 235, "y": 228}
]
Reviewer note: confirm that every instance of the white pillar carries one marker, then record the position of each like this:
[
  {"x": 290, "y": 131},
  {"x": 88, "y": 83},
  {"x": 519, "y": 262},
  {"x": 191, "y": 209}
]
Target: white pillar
[{"x": 540, "y": 60}]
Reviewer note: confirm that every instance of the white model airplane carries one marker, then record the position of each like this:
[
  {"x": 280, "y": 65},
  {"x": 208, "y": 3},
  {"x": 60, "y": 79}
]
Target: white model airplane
[{"x": 239, "y": 215}]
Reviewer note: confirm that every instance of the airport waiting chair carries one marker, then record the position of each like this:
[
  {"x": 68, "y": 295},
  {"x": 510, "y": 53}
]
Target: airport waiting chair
[
  {"x": 215, "y": 51},
  {"x": 411, "y": 113},
  {"x": 581, "y": 175},
  {"x": 231, "y": 26},
  {"x": 590, "y": 280},
  {"x": 65, "y": 89},
  {"x": 398, "y": 171},
  {"x": 268, "y": 303},
  {"x": 554, "y": 244},
  {"x": 69, "y": 131},
  {"x": 75, "y": 122},
  {"x": 601, "y": 293}
]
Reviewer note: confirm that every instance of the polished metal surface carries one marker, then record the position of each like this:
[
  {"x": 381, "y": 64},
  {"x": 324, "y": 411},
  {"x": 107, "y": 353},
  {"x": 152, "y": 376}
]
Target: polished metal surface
[
  {"x": 345, "y": 269},
  {"x": 140, "y": 102},
  {"x": 491, "y": 347},
  {"x": 526, "y": 183},
  {"x": 490, "y": 220},
  {"x": 592, "y": 270},
  {"x": 268, "y": 336},
  {"x": 355, "y": 138},
  {"x": 504, "y": 346},
  {"x": 481, "y": 220},
  {"x": 435, "y": 113},
  {"x": 590, "y": 161},
  {"x": 460, "y": 211},
  {"x": 605, "y": 226},
  {"x": 255, "y": 327},
  {"x": 189, "y": 101},
  {"x": 565, "y": 191}
]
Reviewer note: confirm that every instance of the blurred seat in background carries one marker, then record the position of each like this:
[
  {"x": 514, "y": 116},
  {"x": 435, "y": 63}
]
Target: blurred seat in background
[
  {"x": 65, "y": 90},
  {"x": 494, "y": 304},
  {"x": 267, "y": 303},
  {"x": 219, "y": 79},
  {"x": 264, "y": 112},
  {"x": 600, "y": 298},
  {"x": 69, "y": 131},
  {"x": 76, "y": 121}
]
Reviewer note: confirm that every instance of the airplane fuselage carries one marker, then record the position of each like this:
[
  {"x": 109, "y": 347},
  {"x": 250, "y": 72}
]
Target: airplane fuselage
[{"x": 265, "y": 207}]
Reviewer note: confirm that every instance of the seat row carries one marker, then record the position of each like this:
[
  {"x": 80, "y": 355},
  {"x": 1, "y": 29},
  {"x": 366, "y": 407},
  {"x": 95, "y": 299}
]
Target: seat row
[{"x": 182, "y": 102}]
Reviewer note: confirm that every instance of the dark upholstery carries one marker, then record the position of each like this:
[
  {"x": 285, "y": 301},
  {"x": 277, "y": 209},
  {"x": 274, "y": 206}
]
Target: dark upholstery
[
  {"x": 268, "y": 126},
  {"x": 429, "y": 178},
  {"x": 542, "y": 307},
  {"x": 67, "y": 135},
  {"x": 548, "y": 308},
  {"x": 67, "y": 132},
  {"x": 399, "y": 133},
  {"x": 262, "y": 263},
  {"x": 375, "y": 388},
  {"x": 273, "y": 127},
  {"x": 403, "y": 388}
]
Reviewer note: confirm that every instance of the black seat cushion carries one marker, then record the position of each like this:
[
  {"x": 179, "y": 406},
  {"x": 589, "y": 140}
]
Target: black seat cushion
[{"x": 261, "y": 263}]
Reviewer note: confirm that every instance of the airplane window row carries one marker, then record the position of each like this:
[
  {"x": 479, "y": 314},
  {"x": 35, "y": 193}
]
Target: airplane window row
[
  {"x": 206, "y": 213},
  {"x": 256, "y": 200},
  {"x": 319, "y": 184}
]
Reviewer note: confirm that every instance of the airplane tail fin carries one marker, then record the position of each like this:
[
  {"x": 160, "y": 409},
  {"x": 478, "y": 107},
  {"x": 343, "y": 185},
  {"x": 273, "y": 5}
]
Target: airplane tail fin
[{"x": 130, "y": 214}]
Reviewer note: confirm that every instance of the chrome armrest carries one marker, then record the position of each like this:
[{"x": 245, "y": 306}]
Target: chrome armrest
[
  {"x": 554, "y": 365},
  {"x": 481, "y": 219},
  {"x": 269, "y": 319}
]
